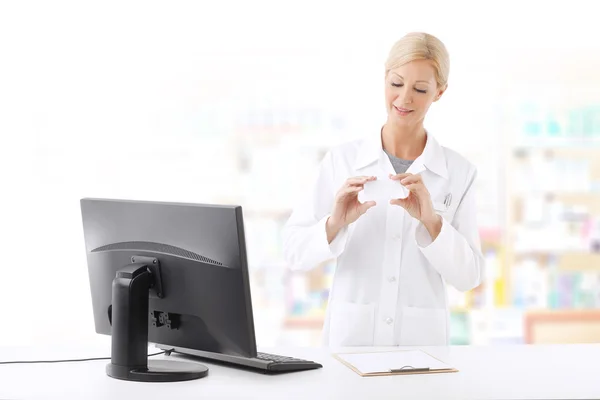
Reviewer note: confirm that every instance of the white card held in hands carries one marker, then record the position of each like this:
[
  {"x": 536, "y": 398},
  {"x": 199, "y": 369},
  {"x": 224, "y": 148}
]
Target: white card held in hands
[{"x": 382, "y": 190}]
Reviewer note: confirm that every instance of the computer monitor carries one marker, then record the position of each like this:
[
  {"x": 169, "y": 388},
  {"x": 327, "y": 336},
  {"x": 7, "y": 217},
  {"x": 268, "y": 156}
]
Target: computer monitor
[{"x": 172, "y": 274}]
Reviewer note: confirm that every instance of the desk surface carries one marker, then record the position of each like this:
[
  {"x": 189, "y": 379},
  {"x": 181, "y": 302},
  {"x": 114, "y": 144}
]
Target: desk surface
[{"x": 506, "y": 372}]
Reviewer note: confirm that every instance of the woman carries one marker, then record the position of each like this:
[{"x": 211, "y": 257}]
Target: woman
[{"x": 393, "y": 259}]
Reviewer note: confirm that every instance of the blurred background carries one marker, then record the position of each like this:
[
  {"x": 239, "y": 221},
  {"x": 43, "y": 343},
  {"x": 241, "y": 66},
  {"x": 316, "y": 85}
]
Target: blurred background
[{"x": 237, "y": 102}]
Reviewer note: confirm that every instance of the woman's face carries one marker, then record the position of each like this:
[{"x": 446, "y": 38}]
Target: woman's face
[{"x": 409, "y": 91}]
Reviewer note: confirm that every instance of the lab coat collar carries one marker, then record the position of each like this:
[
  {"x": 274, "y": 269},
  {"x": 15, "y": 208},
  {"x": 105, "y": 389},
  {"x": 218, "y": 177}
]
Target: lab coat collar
[{"x": 432, "y": 158}]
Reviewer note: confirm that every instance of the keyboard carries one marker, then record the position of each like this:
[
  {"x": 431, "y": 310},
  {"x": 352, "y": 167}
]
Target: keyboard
[
  {"x": 274, "y": 357},
  {"x": 263, "y": 362},
  {"x": 285, "y": 363}
]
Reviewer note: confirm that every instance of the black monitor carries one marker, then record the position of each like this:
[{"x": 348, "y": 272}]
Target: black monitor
[{"x": 172, "y": 274}]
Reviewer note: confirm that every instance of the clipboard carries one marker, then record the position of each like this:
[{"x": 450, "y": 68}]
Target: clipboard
[{"x": 395, "y": 362}]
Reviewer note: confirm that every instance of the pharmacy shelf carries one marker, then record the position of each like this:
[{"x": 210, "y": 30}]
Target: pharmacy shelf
[
  {"x": 567, "y": 260},
  {"x": 552, "y": 159},
  {"x": 576, "y": 261},
  {"x": 304, "y": 322},
  {"x": 589, "y": 200},
  {"x": 561, "y": 146},
  {"x": 562, "y": 326}
]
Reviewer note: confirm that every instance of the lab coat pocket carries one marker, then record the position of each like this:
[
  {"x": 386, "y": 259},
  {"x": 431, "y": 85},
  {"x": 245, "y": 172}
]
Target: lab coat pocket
[
  {"x": 423, "y": 327},
  {"x": 351, "y": 324}
]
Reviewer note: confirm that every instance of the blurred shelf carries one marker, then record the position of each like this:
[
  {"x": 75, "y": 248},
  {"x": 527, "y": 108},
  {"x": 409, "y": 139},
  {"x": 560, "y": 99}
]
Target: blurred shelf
[
  {"x": 577, "y": 194},
  {"x": 564, "y": 149},
  {"x": 562, "y": 146},
  {"x": 546, "y": 252},
  {"x": 460, "y": 310},
  {"x": 304, "y": 322},
  {"x": 491, "y": 235},
  {"x": 562, "y": 326},
  {"x": 575, "y": 197},
  {"x": 590, "y": 200},
  {"x": 577, "y": 261},
  {"x": 562, "y": 312},
  {"x": 567, "y": 261}
]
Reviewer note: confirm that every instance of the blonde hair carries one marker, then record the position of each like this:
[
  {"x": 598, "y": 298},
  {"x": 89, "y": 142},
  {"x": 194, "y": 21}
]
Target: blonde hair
[{"x": 421, "y": 46}]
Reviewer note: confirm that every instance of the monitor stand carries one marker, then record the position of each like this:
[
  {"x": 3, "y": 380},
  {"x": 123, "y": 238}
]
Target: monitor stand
[{"x": 129, "y": 352}]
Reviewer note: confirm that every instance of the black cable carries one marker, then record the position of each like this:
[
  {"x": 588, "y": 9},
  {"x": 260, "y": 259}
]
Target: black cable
[{"x": 167, "y": 352}]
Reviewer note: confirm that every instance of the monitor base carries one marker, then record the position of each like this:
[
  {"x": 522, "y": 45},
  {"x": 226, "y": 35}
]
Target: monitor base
[{"x": 159, "y": 371}]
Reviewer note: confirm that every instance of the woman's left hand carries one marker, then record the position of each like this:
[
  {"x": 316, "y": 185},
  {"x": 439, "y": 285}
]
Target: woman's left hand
[{"x": 418, "y": 203}]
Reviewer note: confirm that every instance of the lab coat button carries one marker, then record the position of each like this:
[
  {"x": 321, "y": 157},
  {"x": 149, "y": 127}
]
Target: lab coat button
[
  {"x": 389, "y": 321},
  {"x": 392, "y": 279}
]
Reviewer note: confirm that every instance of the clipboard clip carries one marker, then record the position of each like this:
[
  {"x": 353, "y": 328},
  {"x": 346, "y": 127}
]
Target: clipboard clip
[{"x": 408, "y": 368}]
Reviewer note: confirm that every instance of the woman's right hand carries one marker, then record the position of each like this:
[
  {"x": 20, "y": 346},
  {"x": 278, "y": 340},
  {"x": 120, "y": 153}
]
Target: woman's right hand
[{"x": 346, "y": 207}]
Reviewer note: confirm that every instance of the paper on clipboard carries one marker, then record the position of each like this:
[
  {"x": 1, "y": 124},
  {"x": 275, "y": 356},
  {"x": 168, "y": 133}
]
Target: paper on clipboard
[{"x": 393, "y": 362}]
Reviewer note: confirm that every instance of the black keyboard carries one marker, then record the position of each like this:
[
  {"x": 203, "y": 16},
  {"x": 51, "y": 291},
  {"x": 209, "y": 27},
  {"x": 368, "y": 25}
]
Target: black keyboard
[
  {"x": 284, "y": 363},
  {"x": 276, "y": 358},
  {"x": 264, "y": 362}
]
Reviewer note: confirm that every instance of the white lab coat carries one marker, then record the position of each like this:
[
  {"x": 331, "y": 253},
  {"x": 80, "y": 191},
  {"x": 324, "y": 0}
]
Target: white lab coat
[{"x": 389, "y": 284}]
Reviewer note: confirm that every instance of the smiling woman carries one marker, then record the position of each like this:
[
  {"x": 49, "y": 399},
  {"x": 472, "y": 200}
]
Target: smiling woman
[
  {"x": 395, "y": 258},
  {"x": 416, "y": 75}
]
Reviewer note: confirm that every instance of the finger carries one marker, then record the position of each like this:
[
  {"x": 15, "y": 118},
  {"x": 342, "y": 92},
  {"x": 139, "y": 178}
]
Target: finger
[
  {"x": 349, "y": 191},
  {"x": 398, "y": 202},
  {"x": 366, "y": 205},
  {"x": 359, "y": 180},
  {"x": 398, "y": 177},
  {"x": 415, "y": 187},
  {"x": 411, "y": 179}
]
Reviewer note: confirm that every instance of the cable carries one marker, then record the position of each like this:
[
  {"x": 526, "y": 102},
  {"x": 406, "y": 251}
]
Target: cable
[{"x": 166, "y": 352}]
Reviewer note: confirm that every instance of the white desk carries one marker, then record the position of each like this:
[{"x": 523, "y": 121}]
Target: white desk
[{"x": 499, "y": 372}]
